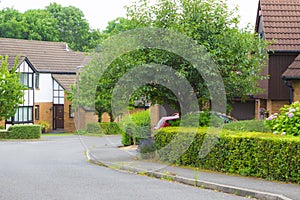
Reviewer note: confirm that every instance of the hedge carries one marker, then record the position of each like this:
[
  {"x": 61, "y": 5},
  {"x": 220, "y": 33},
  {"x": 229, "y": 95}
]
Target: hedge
[
  {"x": 107, "y": 128},
  {"x": 24, "y": 132},
  {"x": 248, "y": 126},
  {"x": 255, "y": 154}
]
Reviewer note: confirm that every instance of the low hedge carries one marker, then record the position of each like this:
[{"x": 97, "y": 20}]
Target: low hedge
[
  {"x": 110, "y": 128},
  {"x": 107, "y": 128},
  {"x": 255, "y": 154},
  {"x": 24, "y": 132},
  {"x": 248, "y": 126}
]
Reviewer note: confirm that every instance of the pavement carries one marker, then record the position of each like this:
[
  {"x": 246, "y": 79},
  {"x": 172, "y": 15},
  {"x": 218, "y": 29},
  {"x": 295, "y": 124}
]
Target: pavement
[{"x": 108, "y": 151}]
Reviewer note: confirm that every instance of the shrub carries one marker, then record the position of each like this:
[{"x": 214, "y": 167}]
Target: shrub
[
  {"x": 287, "y": 122},
  {"x": 135, "y": 127},
  {"x": 110, "y": 128},
  {"x": 2, "y": 127},
  {"x": 263, "y": 155},
  {"x": 93, "y": 127},
  {"x": 248, "y": 126},
  {"x": 45, "y": 126},
  {"x": 24, "y": 132},
  {"x": 3, "y": 134}
]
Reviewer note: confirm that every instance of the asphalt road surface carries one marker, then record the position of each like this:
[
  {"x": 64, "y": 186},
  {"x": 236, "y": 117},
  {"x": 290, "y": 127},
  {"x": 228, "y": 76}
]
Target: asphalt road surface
[{"x": 56, "y": 168}]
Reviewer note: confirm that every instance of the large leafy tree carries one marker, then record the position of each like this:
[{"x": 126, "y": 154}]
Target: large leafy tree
[
  {"x": 73, "y": 28},
  {"x": 12, "y": 24},
  {"x": 54, "y": 23},
  {"x": 41, "y": 25},
  {"x": 11, "y": 89},
  {"x": 239, "y": 54}
]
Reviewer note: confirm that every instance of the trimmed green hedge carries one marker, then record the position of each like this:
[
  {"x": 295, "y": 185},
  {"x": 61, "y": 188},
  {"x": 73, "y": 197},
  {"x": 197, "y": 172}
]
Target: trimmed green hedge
[
  {"x": 107, "y": 128},
  {"x": 248, "y": 126},
  {"x": 255, "y": 154},
  {"x": 110, "y": 128},
  {"x": 24, "y": 132},
  {"x": 3, "y": 134}
]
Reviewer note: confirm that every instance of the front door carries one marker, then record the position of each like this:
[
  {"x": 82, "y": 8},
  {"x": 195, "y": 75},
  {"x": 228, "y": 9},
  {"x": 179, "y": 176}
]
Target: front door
[{"x": 58, "y": 115}]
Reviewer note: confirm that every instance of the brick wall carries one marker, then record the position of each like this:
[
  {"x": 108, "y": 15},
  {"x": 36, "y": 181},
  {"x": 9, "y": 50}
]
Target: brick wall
[
  {"x": 273, "y": 106},
  {"x": 296, "y": 86},
  {"x": 45, "y": 112},
  {"x": 69, "y": 123}
]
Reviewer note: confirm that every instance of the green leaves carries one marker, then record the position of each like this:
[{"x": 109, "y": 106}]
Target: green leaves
[
  {"x": 11, "y": 89},
  {"x": 287, "y": 122}
]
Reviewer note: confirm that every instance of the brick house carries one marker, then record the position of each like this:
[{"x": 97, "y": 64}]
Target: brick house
[
  {"x": 279, "y": 21},
  {"x": 48, "y": 69}
]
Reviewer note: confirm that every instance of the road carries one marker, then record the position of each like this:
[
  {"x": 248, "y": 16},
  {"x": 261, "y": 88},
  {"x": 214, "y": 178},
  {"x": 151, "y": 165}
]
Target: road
[{"x": 56, "y": 168}]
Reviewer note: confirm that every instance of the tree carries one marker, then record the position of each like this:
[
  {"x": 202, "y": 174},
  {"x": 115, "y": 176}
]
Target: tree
[
  {"x": 54, "y": 23},
  {"x": 239, "y": 54},
  {"x": 12, "y": 24},
  {"x": 11, "y": 89},
  {"x": 41, "y": 25},
  {"x": 73, "y": 28}
]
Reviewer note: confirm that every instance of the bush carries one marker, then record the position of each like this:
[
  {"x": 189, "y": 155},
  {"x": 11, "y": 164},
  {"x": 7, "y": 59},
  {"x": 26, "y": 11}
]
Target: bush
[
  {"x": 93, "y": 128},
  {"x": 248, "y": 126},
  {"x": 24, "y": 132},
  {"x": 287, "y": 122},
  {"x": 135, "y": 127},
  {"x": 263, "y": 155},
  {"x": 107, "y": 128},
  {"x": 45, "y": 126},
  {"x": 2, "y": 127},
  {"x": 3, "y": 134}
]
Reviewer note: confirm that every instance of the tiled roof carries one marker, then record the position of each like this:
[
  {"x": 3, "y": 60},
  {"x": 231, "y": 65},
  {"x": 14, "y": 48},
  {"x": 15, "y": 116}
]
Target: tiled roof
[
  {"x": 293, "y": 71},
  {"x": 65, "y": 80},
  {"x": 281, "y": 21},
  {"x": 44, "y": 56}
]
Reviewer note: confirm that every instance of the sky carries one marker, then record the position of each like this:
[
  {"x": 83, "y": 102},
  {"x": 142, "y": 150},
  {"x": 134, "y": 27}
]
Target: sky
[{"x": 99, "y": 13}]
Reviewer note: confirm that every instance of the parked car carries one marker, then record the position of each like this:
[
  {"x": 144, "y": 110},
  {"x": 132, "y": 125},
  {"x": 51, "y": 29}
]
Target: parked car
[{"x": 166, "y": 121}]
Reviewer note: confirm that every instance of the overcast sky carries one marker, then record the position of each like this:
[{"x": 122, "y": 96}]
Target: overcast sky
[{"x": 98, "y": 13}]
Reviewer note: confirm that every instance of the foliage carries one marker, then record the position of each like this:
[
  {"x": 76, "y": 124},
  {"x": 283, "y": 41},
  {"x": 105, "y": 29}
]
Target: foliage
[
  {"x": 11, "y": 89},
  {"x": 2, "y": 127},
  {"x": 93, "y": 127},
  {"x": 24, "y": 132},
  {"x": 110, "y": 128},
  {"x": 3, "y": 134},
  {"x": 263, "y": 155},
  {"x": 247, "y": 126},
  {"x": 45, "y": 126},
  {"x": 54, "y": 23},
  {"x": 239, "y": 54},
  {"x": 135, "y": 127},
  {"x": 287, "y": 122}
]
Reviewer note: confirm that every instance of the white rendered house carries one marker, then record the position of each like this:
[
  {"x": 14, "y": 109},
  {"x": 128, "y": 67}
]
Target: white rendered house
[{"x": 48, "y": 69}]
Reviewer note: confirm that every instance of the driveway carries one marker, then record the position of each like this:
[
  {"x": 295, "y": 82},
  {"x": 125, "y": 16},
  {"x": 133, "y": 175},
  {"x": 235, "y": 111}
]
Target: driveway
[{"x": 56, "y": 168}]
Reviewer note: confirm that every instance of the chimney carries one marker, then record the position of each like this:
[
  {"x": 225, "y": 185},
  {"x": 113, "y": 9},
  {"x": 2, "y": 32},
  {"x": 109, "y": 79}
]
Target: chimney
[{"x": 67, "y": 47}]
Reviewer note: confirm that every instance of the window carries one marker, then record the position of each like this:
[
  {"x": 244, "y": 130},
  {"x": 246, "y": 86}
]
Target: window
[
  {"x": 23, "y": 114},
  {"x": 58, "y": 93},
  {"x": 37, "y": 80},
  {"x": 27, "y": 79},
  {"x": 36, "y": 112},
  {"x": 71, "y": 112}
]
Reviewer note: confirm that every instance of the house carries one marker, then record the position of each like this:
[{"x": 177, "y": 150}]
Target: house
[
  {"x": 279, "y": 22},
  {"x": 48, "y": 69}
]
